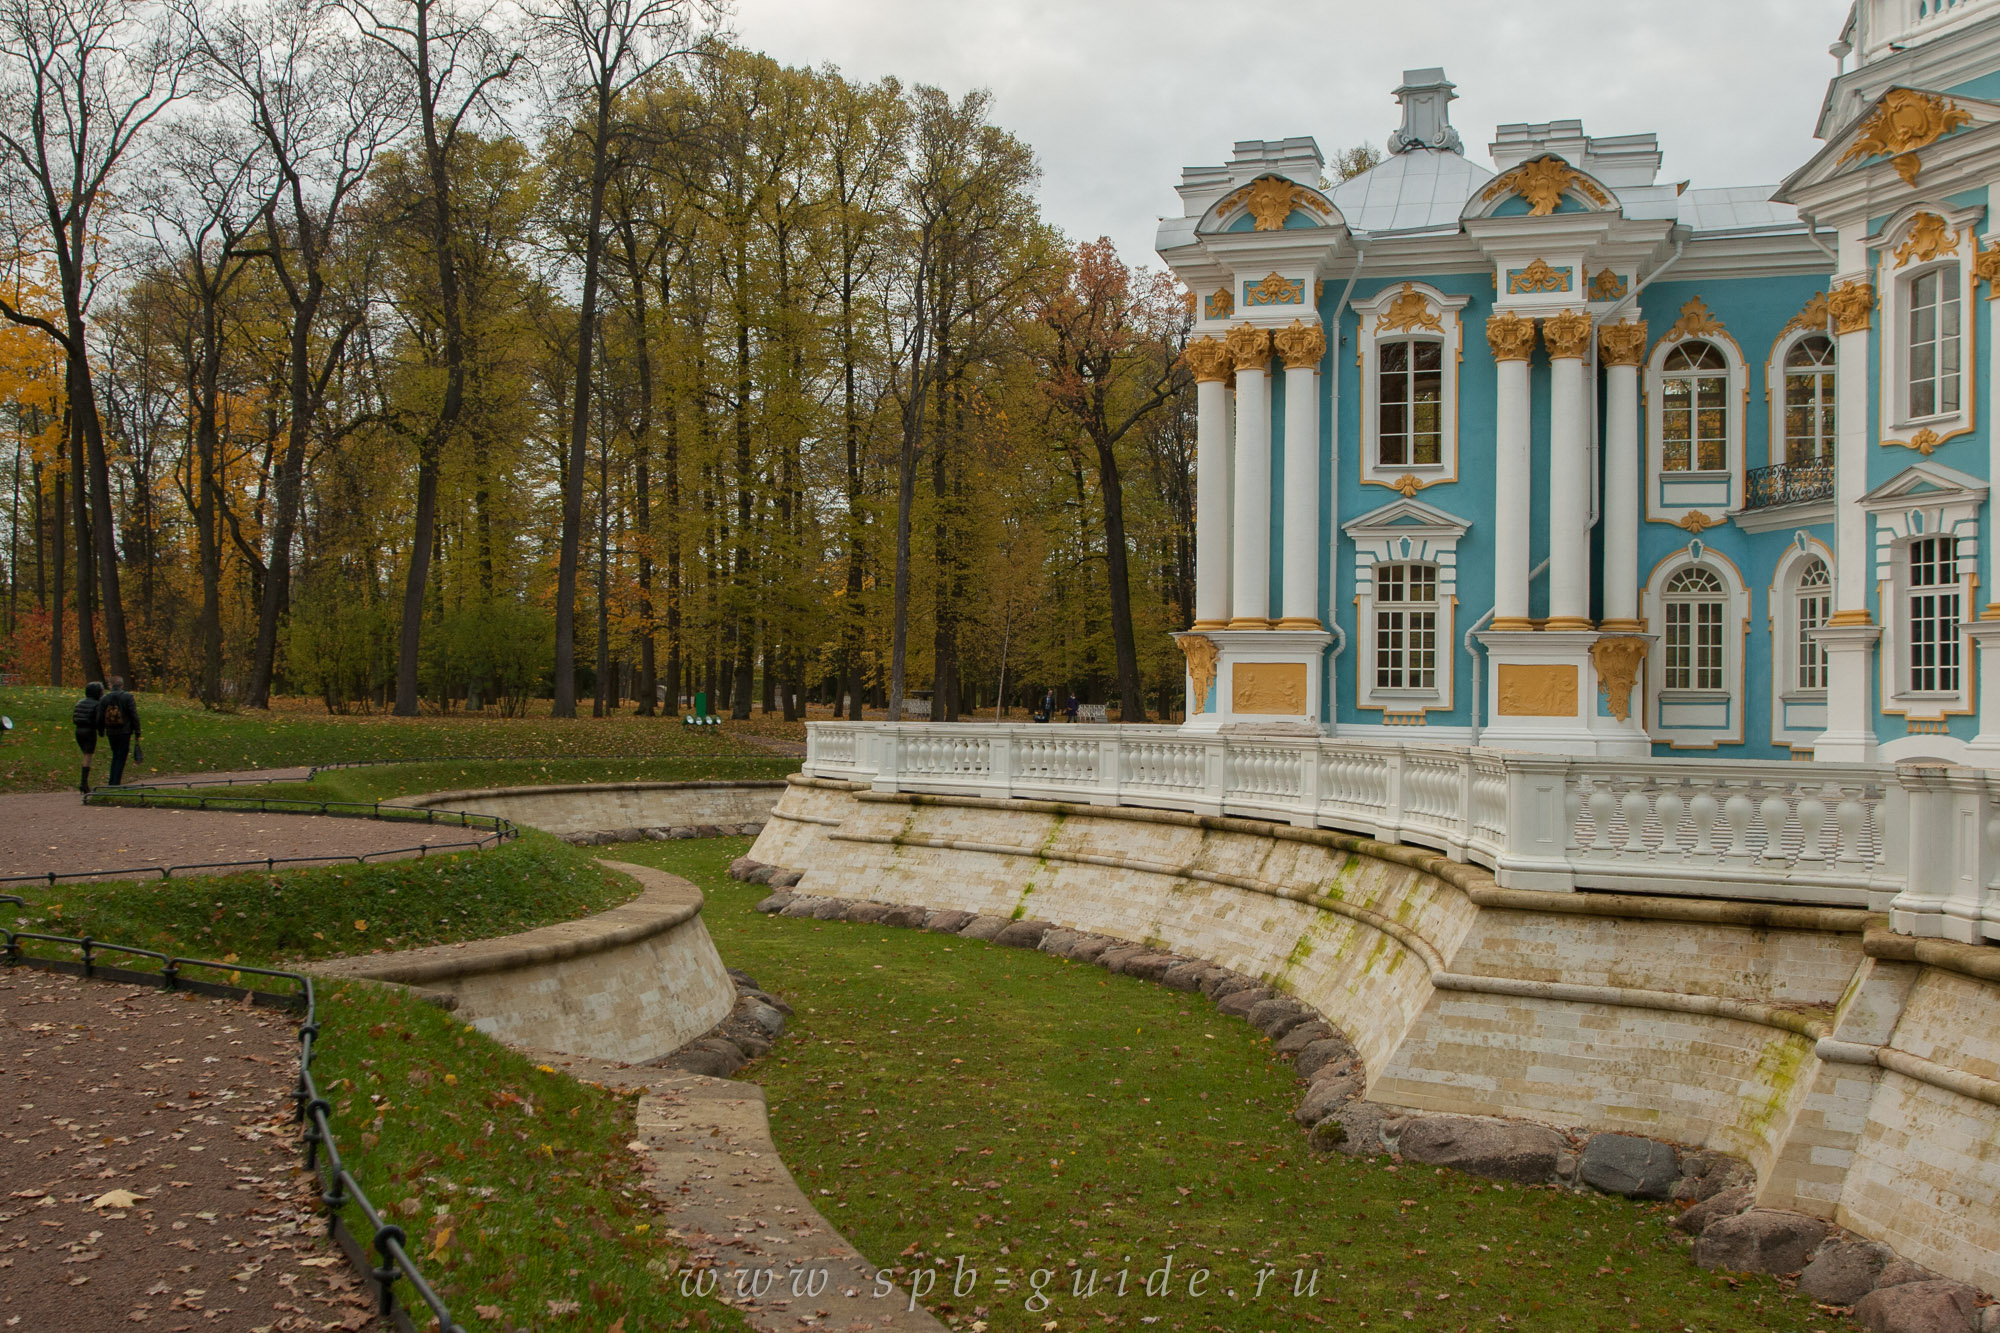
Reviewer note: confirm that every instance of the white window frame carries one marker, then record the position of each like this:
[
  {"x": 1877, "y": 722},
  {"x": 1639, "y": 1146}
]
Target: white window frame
[
  {"x": 1934, "y": 658},
  {"x": 1372, "y": 332},
  {"x": 1893, "y": 284},
  {"x": 1775, "y": 390},
  {"x": 1405, "y": 532},
  {"x": 1697, "y": 719},
  {"x": 1671, "y": 496},
  {"x": 1798, "y": 713},
  {"x": 1396, "y": 584},
  {"x": 1926, "y": 499}
]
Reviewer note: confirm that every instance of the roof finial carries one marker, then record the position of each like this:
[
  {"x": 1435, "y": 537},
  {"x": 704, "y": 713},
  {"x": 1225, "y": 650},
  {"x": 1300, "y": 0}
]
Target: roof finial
[{"x": 1426, "y": 96}]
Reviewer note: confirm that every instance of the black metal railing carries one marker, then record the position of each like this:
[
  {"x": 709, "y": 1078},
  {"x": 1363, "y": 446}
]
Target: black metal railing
[
  {"x": 338, "y": 1186},
  {"x": 1787, "y": 484}
]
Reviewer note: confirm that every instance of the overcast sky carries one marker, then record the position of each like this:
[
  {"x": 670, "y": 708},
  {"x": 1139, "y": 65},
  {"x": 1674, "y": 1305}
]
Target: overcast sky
[{"x": 1116, "y": 96}]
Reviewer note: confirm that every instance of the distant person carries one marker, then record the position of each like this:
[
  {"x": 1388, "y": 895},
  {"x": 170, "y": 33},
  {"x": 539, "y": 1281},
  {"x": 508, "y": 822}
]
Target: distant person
[
  {"x": 85, "y": 717},
  {"x": 1070, "y": 708},
  {"x": 118, "y": 722},
  {"x": 1048, "y": 713}
]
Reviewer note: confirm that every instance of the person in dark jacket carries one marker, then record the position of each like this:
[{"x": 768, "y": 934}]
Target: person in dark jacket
[
  {"x": 118, "y": 722},
  {"x": 84, "y": 715}
]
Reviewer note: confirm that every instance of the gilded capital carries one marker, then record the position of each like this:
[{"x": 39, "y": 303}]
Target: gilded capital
[
  {"x": 1986, "y": 269},
  {"x": 1622, "y": 344},
  {"x": 1852, "y": 305},
  {"x": 1249, "y": 347},
  {"x": 1511, "y": 337},
  {"x": 1567, "y": 334},
  {"x": 1302, "y": 345},
  {"x": 1209, "y": 360}
]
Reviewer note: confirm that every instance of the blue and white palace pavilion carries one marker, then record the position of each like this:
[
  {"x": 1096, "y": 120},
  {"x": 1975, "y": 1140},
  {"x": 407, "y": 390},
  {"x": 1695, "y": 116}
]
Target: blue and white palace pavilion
[{"x": 1548, "y": 454}]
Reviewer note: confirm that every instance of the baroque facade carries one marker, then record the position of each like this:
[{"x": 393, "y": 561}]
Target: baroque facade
[{"x": 1557, "y": 456}]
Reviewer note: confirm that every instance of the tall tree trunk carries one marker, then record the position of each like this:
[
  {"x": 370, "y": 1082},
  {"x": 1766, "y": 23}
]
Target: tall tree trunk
[
  {"x": 1132, "y": 704},
  {"x": 290, "y": 484},
  {"x": 103, "y": 575},
  {"x": 86, "y": 562},
  {"x": 57, "y": 541},
  {"x": 409, "y": 639}
]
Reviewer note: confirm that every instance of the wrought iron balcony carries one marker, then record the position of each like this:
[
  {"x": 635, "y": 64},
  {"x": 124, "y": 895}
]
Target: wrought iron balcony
[{"x": 1787, "y": 484}]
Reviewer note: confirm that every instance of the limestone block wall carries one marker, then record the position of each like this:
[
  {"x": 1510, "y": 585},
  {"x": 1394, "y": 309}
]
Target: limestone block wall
[
  {"x": 609, "y": 806},
  {"x": 630, "y": 984},
  {"x": 1862, "y": 1084}
]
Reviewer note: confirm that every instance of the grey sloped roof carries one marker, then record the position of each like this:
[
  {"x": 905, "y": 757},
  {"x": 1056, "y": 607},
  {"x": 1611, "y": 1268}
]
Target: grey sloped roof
[
  {"x": 1738, "y": 208},
  {"x": 1412, "y": 191}
]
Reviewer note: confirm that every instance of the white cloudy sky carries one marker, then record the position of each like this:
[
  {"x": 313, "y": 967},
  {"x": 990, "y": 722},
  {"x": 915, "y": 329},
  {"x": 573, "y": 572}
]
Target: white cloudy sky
[{"x": 1117, "y": 95}]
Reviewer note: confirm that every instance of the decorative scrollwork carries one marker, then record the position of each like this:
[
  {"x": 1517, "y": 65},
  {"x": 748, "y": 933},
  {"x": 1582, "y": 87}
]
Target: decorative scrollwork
[
  {"x": 1277, "y": 289},
  {"x": 1407, "y": 484},
  {"x": 1852, "y": 305},
  {"x": 1622, "y": 344},
  {"x": 1249, "y": 347},
  {"x": 1607, "y": 285},
  {"x": 1617, "y": 661},
  {"x": 1904, "y": 119},
  {"x": 1302, "y": 345},
  {"x": 1511, "y": 337},
  {"x": 1411, "y": 310},
  {"x": 1567, "y": 335},
  {"x": 1209, "y": 360},
  {"x": 1272, "y": 199},
  {"x": 1986, "y": 269},
  {"x": 1200, "y": 652},
  {"x": 1926, "y": 240},
  {"x": 1696, "y": 321},
  {"x": 1537, "y": 277},
  {"x": 1813, "y": 316},
  {"x": 1697, "y": 522},
  {"x": 1220, "y": 305},
  {"x": 1542, "y": 183}
]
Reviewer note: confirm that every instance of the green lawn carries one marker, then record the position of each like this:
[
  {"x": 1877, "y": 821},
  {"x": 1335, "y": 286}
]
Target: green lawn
[
  {"x": 40, "y": 753},
  {"x": 944, "y": 1098}
]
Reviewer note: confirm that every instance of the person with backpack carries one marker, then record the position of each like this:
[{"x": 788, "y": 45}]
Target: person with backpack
[
  {"x": 84, "y": 715},
  {"x": 118, "y": 722}
]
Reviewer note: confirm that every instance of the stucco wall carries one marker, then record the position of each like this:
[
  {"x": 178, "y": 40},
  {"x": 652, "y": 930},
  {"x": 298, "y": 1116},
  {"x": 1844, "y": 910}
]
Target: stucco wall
[{"x": 610, "y": 806}]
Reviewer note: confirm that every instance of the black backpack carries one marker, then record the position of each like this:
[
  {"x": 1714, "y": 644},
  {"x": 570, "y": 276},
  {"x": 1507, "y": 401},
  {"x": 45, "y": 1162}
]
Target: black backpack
[{"x": 114, "y": 714}]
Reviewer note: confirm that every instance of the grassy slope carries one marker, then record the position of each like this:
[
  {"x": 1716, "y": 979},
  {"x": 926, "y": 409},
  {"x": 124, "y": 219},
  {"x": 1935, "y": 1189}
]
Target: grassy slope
[
  {"x": 942, "y": 1098},
  {"x": 40, "y": 754}
]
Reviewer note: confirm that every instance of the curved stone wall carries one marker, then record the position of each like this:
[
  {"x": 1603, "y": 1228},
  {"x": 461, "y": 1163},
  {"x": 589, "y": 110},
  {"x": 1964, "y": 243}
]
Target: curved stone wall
[
  {"x": 630, "y": 984},
  {"x": 1798, "y": 1038},
  {"x": 633, "y": 808}
]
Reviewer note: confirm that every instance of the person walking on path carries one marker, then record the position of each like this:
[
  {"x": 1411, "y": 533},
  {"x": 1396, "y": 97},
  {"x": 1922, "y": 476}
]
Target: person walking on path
[
  {"x": 84, "y": 715},
  {"x": 1069, "y": 708},
  {"x": 118, "y": 721}
]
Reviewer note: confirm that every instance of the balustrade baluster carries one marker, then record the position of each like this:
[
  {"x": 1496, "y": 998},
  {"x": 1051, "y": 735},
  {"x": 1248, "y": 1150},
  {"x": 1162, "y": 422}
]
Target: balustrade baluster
[
  {"x": 1636, "y": 805},
  {"x": 1774, "y": 811},
  {"x": 1670, "y": 808},
  {"x": 1702, "y": 810},
  {"x": 1601, "y": 804},
  {"x": 1812, "y": 818},
  {"x": 1738, "y": 811}
]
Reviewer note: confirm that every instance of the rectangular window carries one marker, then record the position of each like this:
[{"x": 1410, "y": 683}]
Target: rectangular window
[
  {"x": 1694, "y": 423},
  {"x": 1934, "y": 343},
  {"x": 1814, "y": 607},
  {"x": 1694, "y": 645},
  {"x": 1406, "y": 627},
  {"x": 1933, "y": 615},
  {"x": 1410, "y": 415}
]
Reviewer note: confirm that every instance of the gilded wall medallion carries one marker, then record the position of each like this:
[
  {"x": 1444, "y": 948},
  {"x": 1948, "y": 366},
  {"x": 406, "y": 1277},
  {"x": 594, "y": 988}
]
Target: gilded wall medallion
[
  {"x": 1275, "y": 289},
  {"x": 1542, "y": 183},
  {"x": 1537, "y": 689},
  {"x": 1904, "y": 119},
  {"x": 1268, "y": 687},
  {"x": 1537, "y": 277},
  {"x": 1221, "y": 305},
  {"x": 1408, "y": 312}
]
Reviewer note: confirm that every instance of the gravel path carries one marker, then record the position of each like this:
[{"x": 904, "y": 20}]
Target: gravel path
[
  {"x": 46, "y": 831},
  {"x": 183, "y": 1103}
]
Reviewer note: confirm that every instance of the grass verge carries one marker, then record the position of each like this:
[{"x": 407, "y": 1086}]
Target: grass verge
[
  {"x": 390, "y": 781},
  {"x": 951, "y": 1103}
]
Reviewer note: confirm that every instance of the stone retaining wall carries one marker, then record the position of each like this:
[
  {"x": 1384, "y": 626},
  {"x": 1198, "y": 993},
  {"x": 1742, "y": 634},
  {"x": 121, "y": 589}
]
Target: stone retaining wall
[
  {"x": 631, "y": 984},
  {"x": 1862, "y": 1083},
  {"x": 627, "y": 811}
]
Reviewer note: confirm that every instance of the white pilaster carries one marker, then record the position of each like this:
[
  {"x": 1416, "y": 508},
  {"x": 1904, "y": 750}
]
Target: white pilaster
[
  {"x": 1568, "y": 338},
  {"x": 1622, "y": 347},
  {"x": 1302, "y": 346},
  {"x": 1513, "y": 340},
  {"x": 1850, "y": 637},
  {"x": 1250, "y": 568},
  {"x": 1212, "y": 538}
]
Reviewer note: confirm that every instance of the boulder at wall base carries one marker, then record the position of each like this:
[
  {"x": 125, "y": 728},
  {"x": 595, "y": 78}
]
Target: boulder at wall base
[
  {"x": 1899, "y": 1271},
  {"x": 1239, "y": 1004},
  {"x": 803, "y": 905},
  {"x": 1354, "y": 1130},
  {"x": 1919, "y": 1307},
  {"x": 1727, "y": 1203},
  {"x": 866, "y": 914},
  {"x": 775, "y": 902},
  {"x": 1763, "y": 1240},
  {"x": 706, "y": 1055},
  {"x": 983, "y": 927},
  {"x": 1060, "y": 942},
  {"x": 1227, "y": 985},
  {"x": 904, "y": 918},
  {"x": 1184, "y": 976},
  {"x": 1706, "y": 1174},
  {"x": 1844, "y": 1271},
  {"x": 785, "y": 879},
  {"x": 1496, "y": 1149},
  {"x": 1302, "y": 1036},
  {"x": 1626, "y": 1164},
  {"x": 1115, "y": 958},
  {"x": 1023, "y": 934},
  {"x": 947, "y": 922},
  {"x": 1275, "y": 1017},
  {"x": 829, "y": 909},
  {"x": 741, "y": 867},
  {"x": 1318, "y": 1055},
  {"x": 1151, "y": 966},
  {"x": 1325, "y": 1097},
  {"x": 1091, "y": 948}
]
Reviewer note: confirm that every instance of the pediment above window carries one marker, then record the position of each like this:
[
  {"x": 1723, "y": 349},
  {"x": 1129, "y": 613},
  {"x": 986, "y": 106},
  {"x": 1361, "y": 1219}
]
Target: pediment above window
[
  {"x": 1541, "y": 187},
  {"x": 1900, "y": 130},
  {"x": 1273, "y": 203},
  {"x": 1926, "y": 483},
  {"x": 1408, "y": 518}
]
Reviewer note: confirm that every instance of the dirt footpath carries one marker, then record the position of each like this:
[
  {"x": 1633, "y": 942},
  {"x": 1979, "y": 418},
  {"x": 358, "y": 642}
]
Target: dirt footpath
[{"x": 152, "y": 1175}]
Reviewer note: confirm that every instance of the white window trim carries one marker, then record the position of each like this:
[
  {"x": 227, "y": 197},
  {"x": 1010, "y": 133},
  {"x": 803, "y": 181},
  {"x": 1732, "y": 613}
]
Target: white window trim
[
  {"x": 1782, "y": 621},
  {"x": 1405, "y": 532},
  {"x": 1735, "y": 628},
  {"x": 1893, "y": 288},
  {"x": 1926, "y": 499},
  {"x": 1774, "y": 387},
  {"x": 1658, "y": 505},
  {"x": 1451, "y": 332}
]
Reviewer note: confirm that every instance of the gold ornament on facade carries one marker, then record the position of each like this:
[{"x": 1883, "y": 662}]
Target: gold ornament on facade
[
  {"x": 1907, "y": 166},
  {"x": 1622, "y": 344},
  {"x": 1696, "y": 522},
  {"x": 1220, "y": 305},
  {"x": 1411, "y": 310},
  {"x": 1209, "y": 360},
  {"x": 1607, "y": 285},
  {"x": 1924, "y": 441},
  {"x": 1407, "y": 484},
  {"x": 1542, "y": 183},
  {"x": 1319, "y": 290},
  {"x": 1277, "y": 289},
  {"x": 1813, "y": 316},
  {"x": 1696, "y": 321},
  {"x": 1249, "y": 348},
  {"x": 1302, "y": 345},
  {"x": 1617, "y": 662},
  {"x": 1537, "y": 277},
  {"x": 1926, "y": 240},
  {"x": 1533, "y": 689},
  {"x": 1268, "y": 687},
  {"x": 1986, "y": 269},
  {"x": 1852, "y": 305},
  {"x": 1272, "y": 200},
  {"x": 1567, "y": 335},
  {"x": 1200, "y": 652},
  {"x": 1904, "y": 119},
  {"x": 1511, "y": 337}
]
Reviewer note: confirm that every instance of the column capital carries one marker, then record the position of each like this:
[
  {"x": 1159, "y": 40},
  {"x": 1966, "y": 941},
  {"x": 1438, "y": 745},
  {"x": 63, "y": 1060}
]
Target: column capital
[
  {"x": 1209, "y": 360},
  {"x": 1302, "y": 345},
  {"x": 1511, "y": 337},
  {"x": 1852, "y": 305},
  {"x": 1622, "y": 344},
  {"x": 1249, "y": 347},
  {"x": 1567, "y": 335}
]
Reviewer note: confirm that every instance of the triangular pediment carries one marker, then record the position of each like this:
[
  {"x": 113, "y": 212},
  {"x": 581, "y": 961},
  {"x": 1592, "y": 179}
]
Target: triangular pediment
[
  {"x": 1896, "y": 128},
  {"x": 1406, "y": 515},
  {"x": 1926, "y": 481}
]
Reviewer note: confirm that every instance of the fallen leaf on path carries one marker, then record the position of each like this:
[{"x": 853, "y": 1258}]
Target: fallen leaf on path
[{"x": 116, "y": 1199}]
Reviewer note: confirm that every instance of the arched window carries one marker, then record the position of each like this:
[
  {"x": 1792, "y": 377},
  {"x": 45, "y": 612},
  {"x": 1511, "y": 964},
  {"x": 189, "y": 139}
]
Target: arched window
[
  {"x": 1812, "y": 606},
  {"x": 1809, "y": 414},
  {"x": 1694, "y": 409},
  {"x": 1934, "y": 346},
  {"x": 1410, "y": 405},
  {"x": 1406, "y": 621},
  {"x": 1694, "y": 612},
  {"x": 1933, "y": 606}
]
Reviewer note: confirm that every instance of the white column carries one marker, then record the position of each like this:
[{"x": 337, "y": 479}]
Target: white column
[
  {"x": 1250, "y": 601},
  {"x": 1568, "y": 339},
  {"x": 1850, "y": 637},
  {"x": 1302, "y": 346},
  {"x": 1621, "y": 347},
  {"x": 1513, "y": 341},
  {"x": 1212, "y": 484}
]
